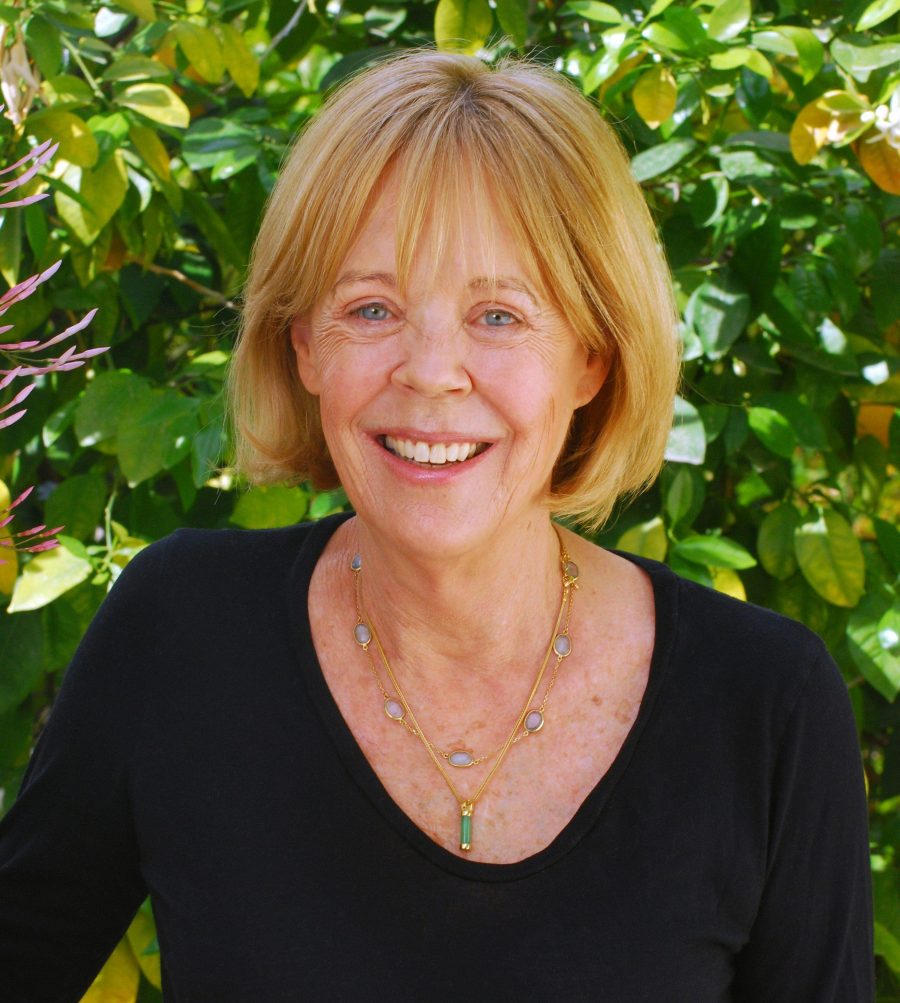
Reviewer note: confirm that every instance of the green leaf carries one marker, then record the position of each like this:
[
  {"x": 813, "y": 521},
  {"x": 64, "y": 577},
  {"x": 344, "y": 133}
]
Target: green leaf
[
  {"x": 155, "y": 432},
  {"x": 888, "y": 537},
  {"x": 714, "y": 551},
  {"x": 98, "y": 415},
  {"x": 680, "y": 496},
  {"x": 873, "y": 640},
  {"x": 861, "y": 60},
  {"x": 513, "y": 18},
  {"x": 709, "y": 201},
  {"x": 659, "y": 159},
  {"x": 43, "y": 44},
  {"x": 66, "y": 90},
  {"x": 728, "y": 19},
  {"x": 327, "y": 502},
  {"x": 592, "y": 10},
  {"x": 133, "y": 67},
  {"x": 718, "y": 310},
  {"x": 77, "y": 504},
  {"x": 831, "y": 558},
  {"x": 462, "y": 25},
  {"x": 10, "y": 246},
  {"x": 151, "y": 148},
  {"x": 50, "y": 574},
  {"x": 773, "y": 430},
  {"x": 202, "y": 49},
  {"x": 877, "y": 12},
  {"x": 156, "y": 102},
  {"x": 810, "y": 51},
  {"x": 887, "y": 946},
  {"x": 142, "y": 8},
  {"x": 226, "y": 146},
  {"x": 775, "y": 543},
  {"x": 207, "y": 447},
  {"x": 687, "y": 439},
  {"x": 646, "y": 539},
  {"x": 21, "y": 651},
  {"x": 267, "y": 507}
]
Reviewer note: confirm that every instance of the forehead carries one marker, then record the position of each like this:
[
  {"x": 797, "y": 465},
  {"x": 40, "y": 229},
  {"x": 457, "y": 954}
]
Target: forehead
[{"x": 457, "y": 228}]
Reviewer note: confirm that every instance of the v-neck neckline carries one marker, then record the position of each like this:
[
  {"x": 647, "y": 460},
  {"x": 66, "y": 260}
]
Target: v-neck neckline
[{"x": 664, "y": 583}]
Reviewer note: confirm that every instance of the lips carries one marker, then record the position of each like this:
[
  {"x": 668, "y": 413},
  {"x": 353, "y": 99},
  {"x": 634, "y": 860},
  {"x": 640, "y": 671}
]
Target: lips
[{"x": 432, "y": 454}]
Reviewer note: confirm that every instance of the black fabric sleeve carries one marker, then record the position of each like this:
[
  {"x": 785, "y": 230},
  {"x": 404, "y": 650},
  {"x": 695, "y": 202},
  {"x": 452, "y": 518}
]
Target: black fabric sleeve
[
  {"x": 69, "y": 866},
  {"x": 811, "y": 941}
]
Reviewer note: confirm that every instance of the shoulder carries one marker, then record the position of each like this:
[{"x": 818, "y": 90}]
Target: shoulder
[{"x": 742, "y": 652}]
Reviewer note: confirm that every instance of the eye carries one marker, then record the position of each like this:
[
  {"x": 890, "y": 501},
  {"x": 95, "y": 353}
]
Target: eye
[
  {"x": 500, "y": 318},
  {"x": 358, "y": 312}
]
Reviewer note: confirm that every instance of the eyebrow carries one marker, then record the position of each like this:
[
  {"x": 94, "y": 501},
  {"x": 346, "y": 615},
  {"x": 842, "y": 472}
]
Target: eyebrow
[{"x": 481, "y": 282}]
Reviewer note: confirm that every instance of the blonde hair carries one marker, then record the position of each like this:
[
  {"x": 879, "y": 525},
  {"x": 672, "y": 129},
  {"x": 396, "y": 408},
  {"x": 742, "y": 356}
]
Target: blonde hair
[{"x": 562, "y": 182}]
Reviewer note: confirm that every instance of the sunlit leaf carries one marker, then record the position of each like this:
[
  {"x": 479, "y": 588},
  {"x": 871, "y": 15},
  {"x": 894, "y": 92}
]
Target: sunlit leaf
[
  {"x": 141, "y": 8},
  {"x": 728, "y": 19},
  {"x": 76, "y": 141},
  {"x": 462, "y": 25},
  {"x": 49, "y": 575},
  {"x": 655, "y": 95},
  {"x": 877, "y": 12},
  {"x": 831, "y": 558},
  {"x": 715, "y": 552},
  {"x": 202, "y": 49},
  {"x": 687, "y": 440},
  {"x": 118, "y": 980},
  {"x": 646, "y": 539},
  {"x": 881, "y": 162},
  {"x": 156, "y": 102},
  {"x": 240, "y": 62}
]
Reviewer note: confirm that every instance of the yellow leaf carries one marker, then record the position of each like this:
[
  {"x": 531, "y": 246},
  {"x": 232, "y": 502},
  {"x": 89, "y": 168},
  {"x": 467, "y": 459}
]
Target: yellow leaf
[
  {"x": 118, "y": 979},
  {"x": 156, "y": 102},
  {"x": 47, "y": 576},
  {"x": 151, "y": 149},
  {"x": 10, "y": 569},
  {"x": 76, "y": 141},
  {"x": 758, "y": 63},
  {"x": 654, "y": 96},
  {"x": 809, "y": 133},
  {"x": 871, "y": 419},
  {"x": 140, "y": 935},
  {"x": 202, "y": 49},
  {"x": 880, "y": 161},
  {"x": 102, "y": 190},
  {"x": 239, "y": 60},
  {"x": 462, "y": 25},
  {"x": 728, "y": 581},
  {"x": 142, "y": 8},
  {"x": 647, "y": 539}
]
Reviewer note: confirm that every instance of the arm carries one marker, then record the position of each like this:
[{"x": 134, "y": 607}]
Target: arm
[
  {"x": 811, "y": 941},
  {"x": 70, "y": 878}
]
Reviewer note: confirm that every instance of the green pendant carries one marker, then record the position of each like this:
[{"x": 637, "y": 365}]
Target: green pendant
[{"x": 465, "y": 825}]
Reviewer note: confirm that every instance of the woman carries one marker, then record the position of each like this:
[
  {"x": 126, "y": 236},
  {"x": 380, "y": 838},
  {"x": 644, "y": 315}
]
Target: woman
[{"x": 443, "y": 746}]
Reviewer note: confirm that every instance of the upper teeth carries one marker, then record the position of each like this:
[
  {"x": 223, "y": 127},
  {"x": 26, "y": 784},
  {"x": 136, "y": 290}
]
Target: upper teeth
[{"x": 439, "y": 452}]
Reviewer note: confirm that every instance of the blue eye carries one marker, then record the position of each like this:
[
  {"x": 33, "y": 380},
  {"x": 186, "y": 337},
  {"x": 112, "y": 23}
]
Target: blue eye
[
  {"x": 500, "y": 313},
  {"x": 371, "y": 306}
]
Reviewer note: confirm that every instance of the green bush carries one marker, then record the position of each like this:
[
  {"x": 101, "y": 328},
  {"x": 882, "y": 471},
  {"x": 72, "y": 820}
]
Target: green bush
[{"x": 767, "y": 139}]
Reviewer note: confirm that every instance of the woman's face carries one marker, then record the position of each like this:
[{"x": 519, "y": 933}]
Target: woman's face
[{"x": 444, "y": 410}]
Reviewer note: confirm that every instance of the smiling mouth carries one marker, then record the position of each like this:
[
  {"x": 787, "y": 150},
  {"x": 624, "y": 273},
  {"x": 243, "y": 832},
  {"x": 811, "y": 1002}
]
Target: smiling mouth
[{"x": 434, "y": 454}]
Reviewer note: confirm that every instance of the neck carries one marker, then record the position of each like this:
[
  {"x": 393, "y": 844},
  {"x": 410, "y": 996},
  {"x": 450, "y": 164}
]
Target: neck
[{"x": 482, "y": 616}]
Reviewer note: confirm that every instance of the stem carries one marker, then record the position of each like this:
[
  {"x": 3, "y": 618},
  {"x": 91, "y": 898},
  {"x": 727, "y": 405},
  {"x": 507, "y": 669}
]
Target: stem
[
  {"x": 95, "y": 87},
  {"x": 174, "y": 273},
  {"x": 286, "y": 30}
]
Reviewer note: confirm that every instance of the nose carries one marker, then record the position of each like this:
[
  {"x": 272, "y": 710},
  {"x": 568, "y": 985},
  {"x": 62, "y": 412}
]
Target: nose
[{"x": 433, "y": 362}]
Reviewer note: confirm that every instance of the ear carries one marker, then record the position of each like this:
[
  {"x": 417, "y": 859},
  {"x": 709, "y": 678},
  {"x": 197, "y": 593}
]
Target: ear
[
  {"x": 596, "y": 367},
  {"x": 307, "y": 361}
]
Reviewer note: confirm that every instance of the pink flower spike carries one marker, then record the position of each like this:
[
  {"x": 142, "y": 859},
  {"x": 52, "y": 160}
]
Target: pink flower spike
[
  {"x": 7, "y": 520},
  {"x": 13, "y": 418},
  {"x": 54, "y": 531},
  {"x": 20, "y": 396},
  {"x": 32, "y": 154},
  {"x": 6, "y": 327},
  {"x": 73, "y": 329},
  {"x": 46, "y": 545},
  {"x": 66, "y": 367},
  {"x": 27, "y": 286},
  {"x": 6, "y": 543},
  {"x": 18, "y": 346},
  {"x": 32, "y": 531},
  {"x": 89, "y": 353},
  {"x": 29, "y": 200},
  {"x": 21, "y": 498},
  {"x": 11, "y": 374}
]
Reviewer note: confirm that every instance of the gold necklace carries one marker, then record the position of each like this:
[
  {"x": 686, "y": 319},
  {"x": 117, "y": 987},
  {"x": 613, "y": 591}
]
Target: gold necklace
[{"x": 528, "y": 722}]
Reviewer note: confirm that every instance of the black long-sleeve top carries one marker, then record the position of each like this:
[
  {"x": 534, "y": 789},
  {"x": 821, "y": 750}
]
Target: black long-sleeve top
[{"x": 195, "y": 752}]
